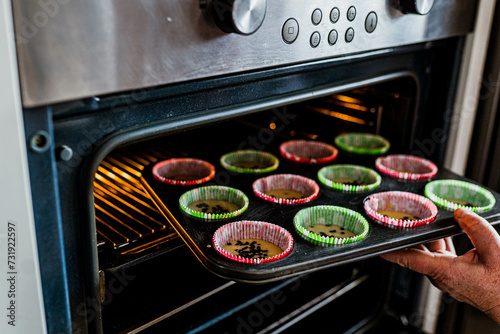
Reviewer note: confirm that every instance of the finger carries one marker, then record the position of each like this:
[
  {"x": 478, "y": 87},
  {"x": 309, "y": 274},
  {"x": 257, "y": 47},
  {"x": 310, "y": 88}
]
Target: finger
[
  {"x": 420, "y": 247},
  {"x": 437, "y": 245},
  {"x": 450, "y": 247},
  {"x": 482, "y": 235},
  {"x": 420, "y": 261}
]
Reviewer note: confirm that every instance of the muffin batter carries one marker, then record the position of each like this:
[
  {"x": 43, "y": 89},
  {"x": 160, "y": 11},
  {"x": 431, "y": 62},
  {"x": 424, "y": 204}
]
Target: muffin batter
[
  {"x": 398, "y": 215},
  {"x": 250, "y": 165},
  {"x": 285, "y": 193},
  {"x": 350, "y": 182},
  {"x": 213, "y": 206},
  {"x": 330, "y": 231},
  {"x": 252, "y": 248},
  {"x": 459, "y": 202},
  {"x": 184, "y": 177}
]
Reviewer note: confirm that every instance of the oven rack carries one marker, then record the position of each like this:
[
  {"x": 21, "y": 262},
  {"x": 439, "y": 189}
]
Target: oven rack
[{"x": 128, "y": 223}]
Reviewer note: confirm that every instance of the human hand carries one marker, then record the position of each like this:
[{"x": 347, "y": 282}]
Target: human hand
[{"x": 474, "y": 277}]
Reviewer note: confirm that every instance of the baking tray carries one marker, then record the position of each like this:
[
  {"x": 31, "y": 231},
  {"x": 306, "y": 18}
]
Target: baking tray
[{"x": 305, "y": 256}]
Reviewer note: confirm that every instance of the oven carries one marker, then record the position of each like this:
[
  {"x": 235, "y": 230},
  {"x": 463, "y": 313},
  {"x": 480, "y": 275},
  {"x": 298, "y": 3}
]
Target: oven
[{"x": 108, "y": 90}]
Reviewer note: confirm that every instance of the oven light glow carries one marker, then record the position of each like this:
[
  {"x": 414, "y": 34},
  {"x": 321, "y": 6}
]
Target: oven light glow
[
  {"x": 339, "y": 115},
  {"x": 272, "y": 126},
  {"x": 347, "y": 99},
  {"x": 348, "y": 118},
  {"x": 351, "y": 106},
  {"x": 111, "y": 175},
  {"x": 125, "y": 175},
  {"x": 117, "y": 171}
]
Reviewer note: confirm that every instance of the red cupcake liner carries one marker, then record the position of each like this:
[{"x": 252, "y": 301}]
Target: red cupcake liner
[
  {"x": 252, "y": 230},
  {"x": 411, "y": 203},
  {"x": 305, "y": 151},
  {"x": 407, "y": 167},
  {"x": 164, "y": 170},
  {"x": 293, "y": 182}
]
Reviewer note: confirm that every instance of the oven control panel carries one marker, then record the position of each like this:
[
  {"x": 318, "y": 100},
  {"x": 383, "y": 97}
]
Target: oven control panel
[
  {"x": 291, "y": 26},
  {"x": 246, "y": 16},
  {"x": 98, "y": 47}
]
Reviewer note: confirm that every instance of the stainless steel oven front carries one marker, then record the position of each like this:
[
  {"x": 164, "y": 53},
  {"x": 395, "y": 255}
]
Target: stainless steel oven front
[{"x": 110, "y": 88}]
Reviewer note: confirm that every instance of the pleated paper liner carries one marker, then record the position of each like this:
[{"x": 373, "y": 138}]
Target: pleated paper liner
[
  {"x": 249, "y": 162},
  {"x": 415, "y": 210},
  {"x": 453, "y": 194},
  {"x": 254, "y": 251},
  {"x": 308, "y": 151},
  {"x": 183, "y": 171},
  {"x": 286, "y": 189},
  {"x": 214, "y": 193},
  {"x": 334, "y": 216},
  {"x": 362, "y": 143},
  {"x": 406, "y": 167},
  {"x": 350, "y": 178}
]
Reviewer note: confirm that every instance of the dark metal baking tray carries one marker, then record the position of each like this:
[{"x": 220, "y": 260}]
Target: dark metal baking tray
[{"x": 305, "y": 256}]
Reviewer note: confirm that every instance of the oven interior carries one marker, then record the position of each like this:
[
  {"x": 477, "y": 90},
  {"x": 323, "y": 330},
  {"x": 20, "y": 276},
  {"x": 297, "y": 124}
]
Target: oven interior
[{"x": 152, "y": 282}]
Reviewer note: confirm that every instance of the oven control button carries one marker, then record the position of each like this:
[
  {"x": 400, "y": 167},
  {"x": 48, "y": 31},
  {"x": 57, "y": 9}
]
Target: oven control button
[
  {"x": 315, "y": 39},
  {"x": 335, "y": 15},
  {"x": 420, "y": 7},
  {"x": 349, "y": 35},
  {"x": 351, "y": 13},
  {"x": 239, "y": 16},
  {"x": 332, "y": 37},
  {"x": 317, "y": 16},
  {"x": 371, "y": 22},
  {"x": 290, "y": 31}
]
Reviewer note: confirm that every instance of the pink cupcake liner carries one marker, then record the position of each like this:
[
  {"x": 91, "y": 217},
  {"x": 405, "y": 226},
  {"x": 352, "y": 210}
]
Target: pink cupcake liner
[
  {"x": 293, "y": 182},
  {"x": 308, "y": 151},
  {"x": 407, "y": 167},
  {"x": 411, "y": 203},
  {"x": 252, "y": 230},
  {"x": 165, "y": 171}
]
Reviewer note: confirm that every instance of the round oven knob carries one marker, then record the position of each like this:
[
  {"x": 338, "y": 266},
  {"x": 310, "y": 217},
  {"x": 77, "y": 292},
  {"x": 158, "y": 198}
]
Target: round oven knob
[
  {"x": 239, "y": 16},
  {"x": 420, "y": 7}
]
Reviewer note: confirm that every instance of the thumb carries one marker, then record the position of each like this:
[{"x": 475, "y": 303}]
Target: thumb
[{"x": 482, "y": 235}]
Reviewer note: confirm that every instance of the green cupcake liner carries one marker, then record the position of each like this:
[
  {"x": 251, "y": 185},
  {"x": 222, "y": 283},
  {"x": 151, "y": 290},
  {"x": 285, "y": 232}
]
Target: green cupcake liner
[
  {"x": 363, "y": 143},
  {"x": 442, "y": 191},
  {"x": 330, "y": 215},
  {"x": 221, "y": 193},
  {"x": 372, "y": 179},
  {"x": 230, "y": 160}
]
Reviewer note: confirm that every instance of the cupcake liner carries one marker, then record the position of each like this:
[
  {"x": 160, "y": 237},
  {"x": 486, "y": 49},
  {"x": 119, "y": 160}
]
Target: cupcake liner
[
  {"x": 406, "y": 167},
  {"x": 167, "y": 170},
  {"x": 252, "y": 230},
  {"x": 308, "y": 151},
  {"x": 227, "y": 194},
  {"x": 441, "y": 191},
  {"x": 230, "y": 161},
  {"x": 330, "y": 215},
  {"x": 363, "y": 143},
  {"x": 410, "y": 203},
  {"x": 293, "y": 182},
  {"x": 369, "y": 177}
]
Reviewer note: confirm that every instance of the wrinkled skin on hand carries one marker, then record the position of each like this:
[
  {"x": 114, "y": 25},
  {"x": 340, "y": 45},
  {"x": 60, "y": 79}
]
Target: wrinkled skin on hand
[{"x": 474, "y": 277}]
